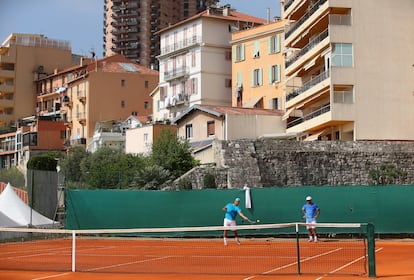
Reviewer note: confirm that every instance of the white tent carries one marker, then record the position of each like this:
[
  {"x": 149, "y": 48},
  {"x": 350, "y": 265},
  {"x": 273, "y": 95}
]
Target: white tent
[{"x": 14, "y": 212}]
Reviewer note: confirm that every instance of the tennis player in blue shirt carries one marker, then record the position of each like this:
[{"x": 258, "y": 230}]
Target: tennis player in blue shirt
[
  {"x": 311, "y": 212},
  {"x": 232, "y": 210}
]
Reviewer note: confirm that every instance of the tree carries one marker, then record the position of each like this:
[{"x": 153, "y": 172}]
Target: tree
[
  {"x": 152, "y": 177},
  {"x": 43, "y": 162},
  {"x": 102, "y": 169},
  {"x": 172, "y": 154},
  {"x": 70, "y": 165}
]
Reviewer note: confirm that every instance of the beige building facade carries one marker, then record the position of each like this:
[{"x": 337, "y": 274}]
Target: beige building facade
[
  {"x": 112, "y": 88},
  {"x": 349, "y": 69},
  {"x": 130, "y": 26},
  {"x": 202, "y": 124},
  {"x": 195, "y": 60},
  {"x": 258, "y": 67},
  {"x": 23, "y": 59}
]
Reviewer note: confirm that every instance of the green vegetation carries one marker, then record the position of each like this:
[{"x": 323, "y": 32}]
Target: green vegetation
[
  {"x": 209, "y": 181},
  {"x": 387, "y": 174},
  {"x": 46, "y": 162},
  {"x": 112, "y": 169},
  {"x": 12, "y": 176}
]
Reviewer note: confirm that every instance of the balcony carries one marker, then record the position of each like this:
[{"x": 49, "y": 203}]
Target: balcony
[
  {"x": 81, "y": 96},
  {"x": 310, "y": 116},
  {"x": 177, "y": 73},
  {"x": 305, "y": 17},
  {"x": 312, "y": 44},
  {"x": 79, "y": 141},
  {"x": 189, "y": 42},
  {"x": 308, "y": 85},
  {"x": 81, "y": 118}
]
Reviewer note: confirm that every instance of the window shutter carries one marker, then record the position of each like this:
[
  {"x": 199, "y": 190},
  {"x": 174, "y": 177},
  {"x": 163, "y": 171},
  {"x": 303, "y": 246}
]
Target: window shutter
[
  {"x": 252, "y": 78},
  {"x": 242, "y": 52},
  {"x": 277, "y": 43}
]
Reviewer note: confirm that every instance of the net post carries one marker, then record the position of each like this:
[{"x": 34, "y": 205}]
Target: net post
[
  {"x": 297, "y": 247},
  {"x": 73, "y": 251},
  {"x": 371, "y": 250}
]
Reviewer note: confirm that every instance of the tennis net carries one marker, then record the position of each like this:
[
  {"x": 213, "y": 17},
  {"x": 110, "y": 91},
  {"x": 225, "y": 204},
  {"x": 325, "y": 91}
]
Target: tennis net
[{"x": 266, "y": 249}]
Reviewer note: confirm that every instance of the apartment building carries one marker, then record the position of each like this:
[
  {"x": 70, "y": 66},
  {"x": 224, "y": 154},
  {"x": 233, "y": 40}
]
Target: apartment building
[
  {"x": 23, "y": 59},
  {"x": 195, "y": 60},
  {"x": 112, "y": 88},
  {"x": 258, "y": 67},
  {"x": 34, "y": 135},
  {"x": 349, "y": 69},
  {"x": 130, "y": 26}
]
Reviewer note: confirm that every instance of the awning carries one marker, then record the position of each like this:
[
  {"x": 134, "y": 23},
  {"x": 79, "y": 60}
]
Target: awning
[
  {"x": 252, "y": 102},
  {"x": 294, "y": 112},
  {"x": 315, "y": 136},
  {"x": 287, "y": 114}
]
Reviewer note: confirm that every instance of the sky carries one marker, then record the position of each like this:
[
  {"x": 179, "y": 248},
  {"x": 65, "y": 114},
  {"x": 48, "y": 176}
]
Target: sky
[{"x": 81, "y": 21}]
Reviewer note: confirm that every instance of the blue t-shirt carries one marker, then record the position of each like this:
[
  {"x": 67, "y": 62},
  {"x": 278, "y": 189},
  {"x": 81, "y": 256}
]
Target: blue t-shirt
[
  {"x": 232, "y": 211},
  {"x": 310, "y": 210}
]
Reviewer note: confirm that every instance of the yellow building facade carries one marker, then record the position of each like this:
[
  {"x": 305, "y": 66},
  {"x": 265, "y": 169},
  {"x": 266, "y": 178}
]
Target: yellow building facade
[{"x": 258, "y": 67}]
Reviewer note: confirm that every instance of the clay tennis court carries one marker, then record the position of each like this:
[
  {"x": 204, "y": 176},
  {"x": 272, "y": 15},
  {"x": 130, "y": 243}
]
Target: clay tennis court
[{"x": 107, "y": 259}]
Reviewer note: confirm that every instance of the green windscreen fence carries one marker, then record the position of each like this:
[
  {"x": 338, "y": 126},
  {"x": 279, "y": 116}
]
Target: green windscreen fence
[{"x": 389, "y": 208}]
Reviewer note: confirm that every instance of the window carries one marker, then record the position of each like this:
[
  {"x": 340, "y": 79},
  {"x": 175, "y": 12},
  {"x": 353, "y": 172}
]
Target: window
[
  {"x": 275, "y": 103},
  {"x": 122, "y": 104},
  {"x": 342, "y": 55},
  {"x": 228, "y": 83},
  {"x": 146, "y": 105},
  {"x": 188, "y": 131},
  {"x": 256, "y": 51},
  {"x": 146, "y": 138},
  {"x": 146, "y": 84},
  {"x": 273, "y": 44},
  {"x": 122, "y": 83},
  {"x": 228, "y": 55},
  {"x": 274, "y": 74},
  {"x": 238, "y": 53},
  {"x": 211, "y": 130},
  {"x": 256, "y": 77}
]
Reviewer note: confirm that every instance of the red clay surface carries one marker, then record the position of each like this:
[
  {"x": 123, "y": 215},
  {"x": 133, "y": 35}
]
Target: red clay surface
[{"x": 205, "y": 260}]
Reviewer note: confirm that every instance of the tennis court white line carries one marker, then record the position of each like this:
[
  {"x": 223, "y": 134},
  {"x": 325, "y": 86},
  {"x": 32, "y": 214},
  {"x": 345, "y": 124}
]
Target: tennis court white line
[
  {"x": 294, "y": 263},
  {"x": 345, "y": 265},
  {"x": 52, "y": 276},
  {"x": 123, "y": 264}
]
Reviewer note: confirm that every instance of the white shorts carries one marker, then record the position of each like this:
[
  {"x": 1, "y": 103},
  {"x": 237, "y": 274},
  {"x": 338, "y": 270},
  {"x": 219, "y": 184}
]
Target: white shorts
[
  {"x": 229, "y": 223},
  {"x": 313, "y": 221}
]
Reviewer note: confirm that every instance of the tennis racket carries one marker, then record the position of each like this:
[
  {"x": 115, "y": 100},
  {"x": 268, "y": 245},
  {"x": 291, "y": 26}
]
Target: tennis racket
[{"x": 254, "y": 222}]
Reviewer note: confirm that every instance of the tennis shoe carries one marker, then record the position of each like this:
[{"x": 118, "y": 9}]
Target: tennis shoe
[{"x": 238, "y": 241}]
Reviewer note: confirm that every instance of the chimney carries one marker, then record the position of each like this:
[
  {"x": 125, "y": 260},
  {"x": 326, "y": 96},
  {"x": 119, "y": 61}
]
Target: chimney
[{"x": 226, "y": 10}]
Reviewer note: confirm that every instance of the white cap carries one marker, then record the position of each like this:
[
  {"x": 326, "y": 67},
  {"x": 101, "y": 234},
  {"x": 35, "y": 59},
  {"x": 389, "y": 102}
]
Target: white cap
[{"x": 308, "y": 198}]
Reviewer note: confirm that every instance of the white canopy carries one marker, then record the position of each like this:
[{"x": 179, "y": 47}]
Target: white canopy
[{"x": 14, "y": 212}]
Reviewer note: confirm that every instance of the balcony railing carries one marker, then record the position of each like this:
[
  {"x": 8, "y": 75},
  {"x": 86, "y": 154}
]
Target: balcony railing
[
  {"x": 181, "y": 44},
  {"x": 310, "y": 116},
  {"x": 307, "y": 48},
  {"x": 288, "y": 4},
  {"x": 307, "y": 15},
  {"x": 321, "y": 77},
  {"x": 176, "y": 73}
]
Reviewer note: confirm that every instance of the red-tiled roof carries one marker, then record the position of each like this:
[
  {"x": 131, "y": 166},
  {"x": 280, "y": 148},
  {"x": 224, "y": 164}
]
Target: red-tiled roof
[
  {"x": 233, "y": 16},
  {"x": 243, "y": 111},
  {"x": 117, "y": 63},
  {"x": 223, "y": 110}
]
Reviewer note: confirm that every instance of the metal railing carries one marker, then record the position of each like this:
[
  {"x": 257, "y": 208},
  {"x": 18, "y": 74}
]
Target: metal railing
[
  {"x": 309, "y": 116},
  {"x": 181, "y": 44},
  {"x": 307, "y": 48},
  {"x": 307, "y": 15},
  {"x": 321, "y": 77}
]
